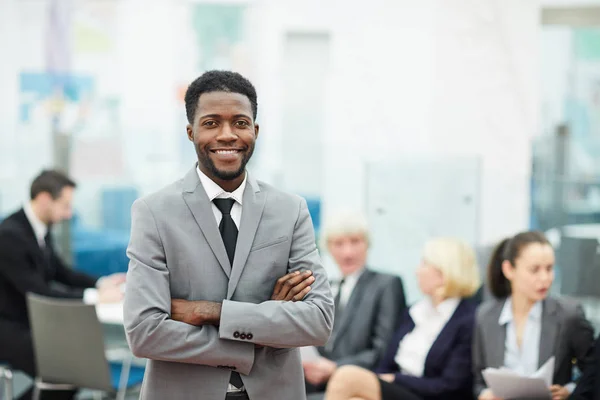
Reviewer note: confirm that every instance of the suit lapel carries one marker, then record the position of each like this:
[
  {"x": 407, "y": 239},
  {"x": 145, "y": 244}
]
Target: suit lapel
[
  {"x": 550, "y": 331},
  {"x": 353, "y": 304},
  {"x": 441, "y": 345},
  {"x": 43, "y": 265},
  {"x": 252, "y": 209},
  {"x": 197, "y": 201},
  {"x": 496, "y": 337}
]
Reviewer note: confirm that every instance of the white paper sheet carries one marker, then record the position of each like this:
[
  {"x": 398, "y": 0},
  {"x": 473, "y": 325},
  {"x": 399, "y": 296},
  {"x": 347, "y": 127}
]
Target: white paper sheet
[
  {"x": 309, "y": 354},
  {"x": 510, "y": 385}
]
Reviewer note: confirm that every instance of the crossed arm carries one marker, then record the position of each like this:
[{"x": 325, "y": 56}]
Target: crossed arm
[
  {"x": 291, "y": 287},
  {"x": 154, "y": 322}
]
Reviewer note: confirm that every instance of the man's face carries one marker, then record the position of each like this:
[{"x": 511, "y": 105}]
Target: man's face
[
  {"x": 59, "y": 209},
  {"x": 349, "y": 252},
  {"x": 224, "y": 134}
]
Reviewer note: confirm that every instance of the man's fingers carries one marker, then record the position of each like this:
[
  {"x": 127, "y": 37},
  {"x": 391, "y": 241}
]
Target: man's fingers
[
  {"x": 281, "y": 281},
  {"x": 301, "y": 295},
  {"x": 293, "y": 286},
  {"x": 288, "y": 284},
  {"x": 299, "y": 288}
]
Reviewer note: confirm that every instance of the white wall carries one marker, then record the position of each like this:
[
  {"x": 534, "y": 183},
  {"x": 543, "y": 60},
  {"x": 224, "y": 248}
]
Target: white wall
[
  {"x": 442, "y": 77},
  {"x": 439, "y": 77}
]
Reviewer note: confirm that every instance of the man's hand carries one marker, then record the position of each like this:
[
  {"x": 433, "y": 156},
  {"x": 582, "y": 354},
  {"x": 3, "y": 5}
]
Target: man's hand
[
  {"x": 319, "y": 372},
  {"x": 110, "y": 294},
  {"x": 387, "y": 377},
  {"x": 559, "y": 392},
  {"x": 196, "y": 312},
  {"x": 114, "y": 280},
  {"x": 487, "y": 395},
  {"x": 293, "y": 286}
]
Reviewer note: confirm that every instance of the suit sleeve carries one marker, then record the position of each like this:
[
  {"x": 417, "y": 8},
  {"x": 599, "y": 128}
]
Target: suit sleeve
[
  {"x": 287, "y": 324},
  {"x": 479, "y": 363},
  {"x": 151, "y": 332},
  {"x": 582, "y": 339},
  {"x": 391, "y": 305},
  {"x": 588, "y": 387},
  {"x": 388, "y": 364},
  {"x": 455, "y": 374},
  {"x": 70, "y": 277},
  {"x": 16, "y": 267}
]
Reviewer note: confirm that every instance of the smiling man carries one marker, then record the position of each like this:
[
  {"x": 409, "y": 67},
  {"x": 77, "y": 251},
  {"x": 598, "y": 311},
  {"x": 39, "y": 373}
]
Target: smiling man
[{"x": 204, "y": 302}]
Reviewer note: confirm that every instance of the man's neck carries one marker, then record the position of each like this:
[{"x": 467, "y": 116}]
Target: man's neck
[
  {"x": 36, "y": 209},
  {"x": 227, "y": 185}
]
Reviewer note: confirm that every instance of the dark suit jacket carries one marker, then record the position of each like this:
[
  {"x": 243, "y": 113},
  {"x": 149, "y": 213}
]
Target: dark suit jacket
[
  {"x": 566, "y": 335},
  {"x": 361, "y": 334},
  {"x": 588, "y": 387},
  {"x": 25, "y": 268},
  {"x": 447, "y": 373}
]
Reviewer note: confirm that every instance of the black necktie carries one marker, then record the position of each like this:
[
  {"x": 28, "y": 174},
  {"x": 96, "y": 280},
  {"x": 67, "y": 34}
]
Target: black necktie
[
  {"x": 336, "y": 300},
  {"x": 229, "y": 233},
  {"x": 47, "y": 251}
]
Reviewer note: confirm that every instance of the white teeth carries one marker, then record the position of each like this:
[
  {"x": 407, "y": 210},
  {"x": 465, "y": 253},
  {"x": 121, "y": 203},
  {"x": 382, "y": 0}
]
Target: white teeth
[{"x": 226, "y": 151}]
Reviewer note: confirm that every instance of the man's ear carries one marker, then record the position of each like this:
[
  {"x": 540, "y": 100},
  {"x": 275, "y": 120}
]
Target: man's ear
[
  {"x": 256, "y": 129},
  {"x": 190, "y": 132}
]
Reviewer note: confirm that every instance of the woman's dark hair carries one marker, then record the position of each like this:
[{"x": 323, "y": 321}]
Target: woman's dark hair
[{"x": 509, "y": 250}]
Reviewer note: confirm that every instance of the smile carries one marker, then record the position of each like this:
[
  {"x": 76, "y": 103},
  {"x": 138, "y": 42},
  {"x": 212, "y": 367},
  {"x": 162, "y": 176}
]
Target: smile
[{"x": 229, "y": 151}]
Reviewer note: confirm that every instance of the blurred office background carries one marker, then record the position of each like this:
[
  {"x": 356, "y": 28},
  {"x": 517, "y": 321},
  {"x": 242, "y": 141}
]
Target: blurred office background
[{"x": 468, "y": 118}]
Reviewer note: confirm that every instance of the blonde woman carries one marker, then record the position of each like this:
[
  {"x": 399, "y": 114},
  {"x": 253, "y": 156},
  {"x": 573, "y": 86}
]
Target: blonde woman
[{"x": 429, "y": 357}]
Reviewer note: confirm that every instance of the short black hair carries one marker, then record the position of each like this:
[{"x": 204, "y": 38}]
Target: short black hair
[
  {"x": 218, "y": 81},
  {"x": 509, "y": 250},
  {"x": 50, "y": 181}
]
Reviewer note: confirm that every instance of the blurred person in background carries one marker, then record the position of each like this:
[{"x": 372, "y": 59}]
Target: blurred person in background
[
  {"x": 524, "y": 326},
  {"x": 588, "y": 387},
  {"x": 29, "y": 263},
  {"x": 429, "y": 356},
  {"x": 368, "y": 304}
]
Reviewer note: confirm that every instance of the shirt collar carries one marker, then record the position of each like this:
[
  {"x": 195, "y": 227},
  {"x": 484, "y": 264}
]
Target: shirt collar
[
  {"x": 214, "y": 191},
  {"x": 506, "y": 316},
  {"x": 446, "y": 308},
  {"x": 40, "y": 229},
  {"x": 353, "y": 277},
  {"x": 424, "y": 308}
]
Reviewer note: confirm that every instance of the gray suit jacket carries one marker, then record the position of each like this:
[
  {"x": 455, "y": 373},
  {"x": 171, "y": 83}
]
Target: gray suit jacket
[
  {"x": 176, "y": 251},
  {"x": 566, "y": 335},
  {"x": 362, "y": 333}
]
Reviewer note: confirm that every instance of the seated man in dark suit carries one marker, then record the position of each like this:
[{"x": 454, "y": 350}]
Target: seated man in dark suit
[
  {"x": 588, "y": 387},
  {"x": 368, "y": 304},
  {"x": 28, "y": 263}
]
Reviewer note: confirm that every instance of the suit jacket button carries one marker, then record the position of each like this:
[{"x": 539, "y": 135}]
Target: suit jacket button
[
  {"x": 249, "y": 336},
  {"x": 243, "y": 336},
  {"x": 236, "y": 334}
]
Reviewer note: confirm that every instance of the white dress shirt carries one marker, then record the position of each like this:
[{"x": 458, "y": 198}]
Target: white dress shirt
[
  {"x": 429, "y": 321},
  {"x": 40, "y": 229},
  {"x": 214, "y": 191},
  {"x": 347, "y": 288},
  {"x": 523, "y": 360}
]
